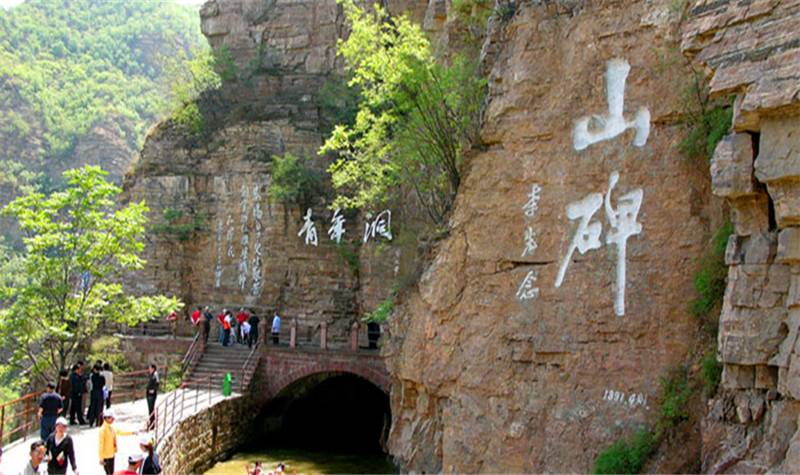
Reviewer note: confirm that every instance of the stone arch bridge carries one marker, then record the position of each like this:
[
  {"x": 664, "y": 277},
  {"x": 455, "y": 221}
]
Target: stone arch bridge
[{"x": 192, "y": 435}]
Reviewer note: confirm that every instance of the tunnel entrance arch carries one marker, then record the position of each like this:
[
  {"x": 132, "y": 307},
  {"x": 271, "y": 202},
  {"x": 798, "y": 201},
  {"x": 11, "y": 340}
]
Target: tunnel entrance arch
[
  {"x": 321, "y": 399},
  {"x": 327, "y": 410}
]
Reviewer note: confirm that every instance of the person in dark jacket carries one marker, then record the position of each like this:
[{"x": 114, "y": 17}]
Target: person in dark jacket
[
  {"x": 151, "y": 465},
  {"x": 63, "y": 388},
  {"x": 76, "y": 395},
  {"x": 60, "y": 449},
  {"x": 152, "y": 392},
  {"x": 96, "y": 399},
  {"x": 50, "y": 407},
  {"x": 254, "y": 321}
]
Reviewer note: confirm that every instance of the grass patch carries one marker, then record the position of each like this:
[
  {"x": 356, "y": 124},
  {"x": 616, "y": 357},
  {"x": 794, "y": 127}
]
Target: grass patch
[
  {"x": 178, "y": 225},
  {"x": 382, "y": 312},
  {"x": 173, "y": 379},
  {"x": 108, "y": 350},
  {"x": 294, "y": 182},
  {"x": 710, "y": 373},
  {"x": 706, "y": 120},
  {"x": 626, "y": 456},
  {"x": 629, "y": 455},
  {"x": 711, "y": 279}
]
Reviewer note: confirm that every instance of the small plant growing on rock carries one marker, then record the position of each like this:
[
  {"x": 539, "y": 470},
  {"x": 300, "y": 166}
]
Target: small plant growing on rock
[
  {"x": 626, "y": 456},
  {"x": 382, "y": 312},
  {"x": 710, "y": 280},
  {"x": 706, "y": 120},
  {"x": 629, "y": 455},
  {"x": 674, "y": 396},
  {"x": 293, "y": 181},
  {"x": 711, "y": 373}
]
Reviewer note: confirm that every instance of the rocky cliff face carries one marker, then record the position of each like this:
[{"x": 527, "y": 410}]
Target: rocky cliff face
[
  {"x": 751, "y": 50},
  {"x": 540, "y": 331},
  {"x": 245, "y": 249},
  {"x": 538, "y": 335}
]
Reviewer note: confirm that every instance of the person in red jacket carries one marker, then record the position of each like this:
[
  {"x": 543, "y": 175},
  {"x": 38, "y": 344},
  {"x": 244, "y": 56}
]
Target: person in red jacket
[
  {"x": 221, "y": 320},
  {"x": 196, "y": 316},
  {"x": 241, "y": 317}
]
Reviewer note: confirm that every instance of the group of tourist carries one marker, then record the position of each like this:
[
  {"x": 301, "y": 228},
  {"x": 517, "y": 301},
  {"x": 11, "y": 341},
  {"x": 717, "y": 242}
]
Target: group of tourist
[
  {"x": 55, "y": 452},
  {"x": 54, "y": 456},
  {"x": 241, "y": 329},
  {"x": 67, "y": 396},
  {"x": 258, "y": 470}
]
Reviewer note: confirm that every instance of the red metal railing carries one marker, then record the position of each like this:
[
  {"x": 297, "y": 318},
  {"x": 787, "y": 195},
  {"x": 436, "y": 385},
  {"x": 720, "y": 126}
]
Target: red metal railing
[
  {"x": 176, "y": 405},
  {"x": 249, "y": 367},
  {"x": 193, "y": 354},
  {"x": 131, "y": 385},
  {"x": 18, "y": 418}
]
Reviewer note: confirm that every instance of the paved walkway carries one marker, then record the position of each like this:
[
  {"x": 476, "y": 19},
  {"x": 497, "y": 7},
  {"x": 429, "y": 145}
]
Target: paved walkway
[{"x": 130, "y": 417}]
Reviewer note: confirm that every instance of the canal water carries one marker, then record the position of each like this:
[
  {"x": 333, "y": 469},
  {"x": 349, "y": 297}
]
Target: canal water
[{"x": 303, "y": 461}]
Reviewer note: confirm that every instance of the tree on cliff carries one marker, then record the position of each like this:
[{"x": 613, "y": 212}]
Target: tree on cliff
[
  {"x": 78, "y": 243},
  {"x": 415, "y": 114}
]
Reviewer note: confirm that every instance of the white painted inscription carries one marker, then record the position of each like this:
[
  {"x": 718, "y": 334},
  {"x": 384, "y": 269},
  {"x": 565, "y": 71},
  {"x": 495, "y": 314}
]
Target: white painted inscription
[
  {"x": 622, "y": 222},
  {"x": 309, "y": 229},
  {"x": 631, "y": 400},
  {"x": 218, "y": 263},
  {"x": 597, "y": 128},
  {"x": 530, "y": 242},
  {"x": 532, "y": 205},
  {"x": 528, "y": 290},
  {"x": 336, "y": 231},
  {"x": 229, "y": 236},
  {"x": 587, "y": 236},
  {"x": 258, "y": 278},
  {"x": 623, "y": 225},
  {"x": 380, "y": 226},
  {"x": 245, "y": 240}
]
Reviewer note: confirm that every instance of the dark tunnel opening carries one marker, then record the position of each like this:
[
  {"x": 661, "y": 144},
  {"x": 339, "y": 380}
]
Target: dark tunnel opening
[{"x": 330, "y": 412}]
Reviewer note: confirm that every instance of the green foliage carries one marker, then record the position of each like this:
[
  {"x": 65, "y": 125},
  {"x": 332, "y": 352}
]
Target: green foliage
[
  {"x": 710, "y": 280},
  {"x": 414, "y": 116},
  {"x": 77, "y": 245},
  {"x": 173, "y": 378},
  {"x": 108, "y": 350},
  {"x": 338, "y": 103},
  {"x": 293, "y": 181},
  {"x": 626, "y": 456},
  {"x": 711, "y": 373},
  {"x": 178, "y": 226},
  {"x": 471, "y": 13},
  {"x": 706, "y": 120},
  {"x": 192, "y": 76},
  {"x": 79, "y": 62},
  {"x": 630, "y": 455},
  {"x": 349, "y": 254},
  {"x": 382, "y": 312},
  {"x": 674, "y": 396}
]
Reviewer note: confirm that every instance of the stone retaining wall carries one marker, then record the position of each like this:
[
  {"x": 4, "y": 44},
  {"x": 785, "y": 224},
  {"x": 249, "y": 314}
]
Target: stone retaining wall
[
  {"x": 141, "y": 351},
  {"x": 208, "y": 437}
]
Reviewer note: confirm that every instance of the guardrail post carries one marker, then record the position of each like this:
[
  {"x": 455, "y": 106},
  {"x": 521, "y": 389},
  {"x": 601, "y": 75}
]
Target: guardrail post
[
  {"x": 293, "y": 334},
  {"x": 354, "y": 336},
  {"x": 323, "y": 336}
]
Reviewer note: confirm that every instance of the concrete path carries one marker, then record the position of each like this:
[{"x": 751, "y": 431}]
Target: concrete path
[{"x": 130, "y": 417}]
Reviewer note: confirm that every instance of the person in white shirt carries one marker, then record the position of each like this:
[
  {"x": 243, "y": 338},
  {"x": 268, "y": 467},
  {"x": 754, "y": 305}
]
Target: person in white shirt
[
  {"x": 36, "y": 465},
  {"x": 108, "y": 373},
  {"x": 244, "y": 328},
  {"x": 276, "y": 329}
]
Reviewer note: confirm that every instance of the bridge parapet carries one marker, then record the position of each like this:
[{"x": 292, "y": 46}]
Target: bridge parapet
[{"x": 282, "y": 366}]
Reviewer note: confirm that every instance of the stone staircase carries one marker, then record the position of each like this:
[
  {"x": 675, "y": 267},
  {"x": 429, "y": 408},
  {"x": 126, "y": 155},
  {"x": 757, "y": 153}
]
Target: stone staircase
[{"x": 216, "y": 361}]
